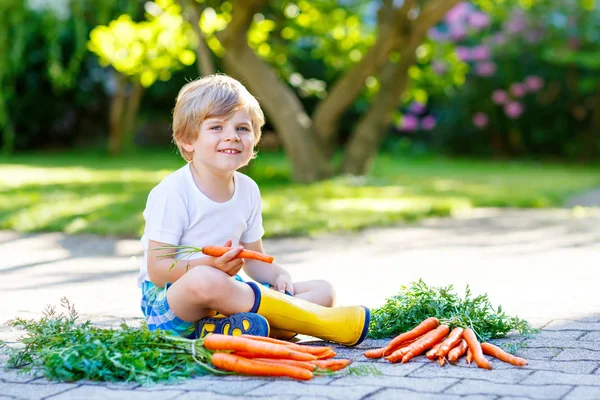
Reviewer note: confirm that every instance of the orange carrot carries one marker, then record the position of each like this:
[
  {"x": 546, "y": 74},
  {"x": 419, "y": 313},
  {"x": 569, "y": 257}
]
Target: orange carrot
[
  {"x": 442, "y": 361},
  {"x": 469, "y": 356},
  {"x": 218, "y": 251},
  {"x": 267, "y": 350},
  {"x": 497, "y": 352},
  {"x": 452, "y": 340},
  {"x": 325, "y": 355},
  {"x": 431, "y": 353},
  {"x": 457, "y": 351},
  {"x": 332, "y": 365},
  {"x": 403, "y": 349},
  {"x": 435, "y": 336},
  {"x": 421, "y": 329},
  {"x": 475, "y": 348},
  {"x": 299, "y": 347},
  {"x": 233, "y": 363},
  {"x": 300, "y": 364},
  {"x": 382, "y": 351}
]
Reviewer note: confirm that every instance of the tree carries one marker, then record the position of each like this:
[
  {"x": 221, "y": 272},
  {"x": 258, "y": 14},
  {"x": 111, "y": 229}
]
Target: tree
[
  {"x": 309, "y": 140},
  {"x": 140, "y": 53}
]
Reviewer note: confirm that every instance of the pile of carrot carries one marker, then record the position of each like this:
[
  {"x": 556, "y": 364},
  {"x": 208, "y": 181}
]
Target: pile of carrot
[
  {"x": 264, "y": 356},
  {"x": 442, "y": 344}
]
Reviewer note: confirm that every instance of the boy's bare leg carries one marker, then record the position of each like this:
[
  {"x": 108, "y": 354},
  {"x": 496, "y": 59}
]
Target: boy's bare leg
[
  {"x": 204, "y": 289},
  {"x": 319, "y": 292}
]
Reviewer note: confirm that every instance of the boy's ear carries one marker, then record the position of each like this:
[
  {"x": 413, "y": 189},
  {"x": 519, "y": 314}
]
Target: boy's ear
[{"x": 187, "y": 147}]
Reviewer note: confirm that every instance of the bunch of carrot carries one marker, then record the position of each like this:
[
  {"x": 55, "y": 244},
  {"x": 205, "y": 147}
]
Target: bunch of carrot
[
  {"x": 264, "y": 356},
  {"x": 442, "y": 344}
]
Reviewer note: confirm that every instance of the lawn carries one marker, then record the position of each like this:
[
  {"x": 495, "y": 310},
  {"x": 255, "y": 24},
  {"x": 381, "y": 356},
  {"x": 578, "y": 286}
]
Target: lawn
[{"x": 90, "y": 192}]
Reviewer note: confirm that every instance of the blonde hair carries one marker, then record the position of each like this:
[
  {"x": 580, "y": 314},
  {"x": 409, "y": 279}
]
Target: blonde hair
[{"x": 216, "y": 95}]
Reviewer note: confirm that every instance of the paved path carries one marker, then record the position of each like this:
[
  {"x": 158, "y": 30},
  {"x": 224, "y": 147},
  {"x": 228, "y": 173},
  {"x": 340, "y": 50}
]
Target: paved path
[{"x": 540, "y": 265}]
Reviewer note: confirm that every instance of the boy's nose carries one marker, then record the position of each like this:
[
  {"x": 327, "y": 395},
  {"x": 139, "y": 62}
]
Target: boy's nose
[{"x": 232, "y": 136}]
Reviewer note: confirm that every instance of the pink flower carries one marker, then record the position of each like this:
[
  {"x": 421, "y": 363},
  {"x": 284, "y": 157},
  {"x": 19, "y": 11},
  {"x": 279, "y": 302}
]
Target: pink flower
[
  {"x": 499, "y": 96},
  {"x": 479, "y": 20},
  {"x": 464, "y": 53},
  {"x": 517, "y": 22},
  {"x": 410, "y": 123},
  {"x": 435, "y": 34},
  {"x": 457, "y": 32},
  {"x": 480, "y": 53},
  {"x": 499, "y": 39},
  {"x": 513, "y": 109},
  {"x": 533, "y": 83},
  {"x": 517, "y": 90},
  {"x": 458, "y": 13},
  {"x": 439, "y": 67},
  {"x": 428, "y": 123},
  {"x": 480, "y": 120},
  {"x": 485, "y": 68},
  {"x": 416, "y": 107}
]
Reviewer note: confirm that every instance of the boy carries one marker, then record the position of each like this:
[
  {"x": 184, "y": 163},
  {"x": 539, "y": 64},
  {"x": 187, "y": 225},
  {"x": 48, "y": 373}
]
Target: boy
[{"x": 216, "y": 126}]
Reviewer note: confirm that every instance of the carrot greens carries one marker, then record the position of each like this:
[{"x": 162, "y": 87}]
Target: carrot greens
[{"x": 418, "y": 301}]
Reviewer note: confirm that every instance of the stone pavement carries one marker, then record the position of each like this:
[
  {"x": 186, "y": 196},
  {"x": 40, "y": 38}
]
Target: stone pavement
[{"x": 539, "y": 264}]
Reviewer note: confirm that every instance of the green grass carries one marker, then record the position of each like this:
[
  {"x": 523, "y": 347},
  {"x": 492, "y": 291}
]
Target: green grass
[{"x": 90, "y": 192}]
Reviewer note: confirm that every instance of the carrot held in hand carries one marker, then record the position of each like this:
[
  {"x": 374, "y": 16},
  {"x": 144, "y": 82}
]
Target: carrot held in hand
[
  {"x": 475, "y": 348},
  {"x": 421, "y": 329},
  {"x": 457, "y": 351},
  {"x": 218, "y": 251},
  {"x": 241, "y": 365},
  {"x": 497, "y": 352}
]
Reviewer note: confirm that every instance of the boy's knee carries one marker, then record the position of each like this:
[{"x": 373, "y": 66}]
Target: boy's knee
[
  {"x": 204, "y": 282},
  {"x": 327, "y": 291}
]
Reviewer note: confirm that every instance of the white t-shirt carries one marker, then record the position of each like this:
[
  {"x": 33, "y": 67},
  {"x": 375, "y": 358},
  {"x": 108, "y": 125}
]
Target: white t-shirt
[{"x": 178, "y": 213}]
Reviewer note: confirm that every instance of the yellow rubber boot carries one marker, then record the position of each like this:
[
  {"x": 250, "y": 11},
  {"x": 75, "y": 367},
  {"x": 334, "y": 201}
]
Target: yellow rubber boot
[{"x": 344, "y": 325}]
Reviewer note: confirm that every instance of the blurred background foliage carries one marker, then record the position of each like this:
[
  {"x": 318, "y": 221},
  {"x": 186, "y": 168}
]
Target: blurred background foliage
[
  {"x": 409, "y": 94},
  {"x": 503, "y": 78}
]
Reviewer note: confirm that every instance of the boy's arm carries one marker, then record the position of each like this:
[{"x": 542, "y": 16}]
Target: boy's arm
[
  {"x": 160, "y": 271},
  {"x": 264, "y": 272}
]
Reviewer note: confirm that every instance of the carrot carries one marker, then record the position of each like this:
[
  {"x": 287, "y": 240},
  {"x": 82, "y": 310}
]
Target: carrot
[
  {"x": 475, "y": 348},
  {"x": 457, "y": 351},
  {"x": 332, "y": 365},
  {"x": 382, "y": 351},
  {"x": 300, "y": 364},
  {"x": 442, "y": 361},
  {"x": 469, "y": 356},
  {"x": 218, "y": 251},
  {"x": 267, "y": 350},
  {"x": 497, "y": 352},
  {"x": 452, "y": 340},
  {"x": 315, "y": 350},
  {"x": 435, "y": 336},
  {"x": 431, "y": 353},
  {"x": 233, "y": 363},
  {"x": 421, "y": 329},
  {"x": 325, "y": 355},
  {"x": 403, "y": 349}
]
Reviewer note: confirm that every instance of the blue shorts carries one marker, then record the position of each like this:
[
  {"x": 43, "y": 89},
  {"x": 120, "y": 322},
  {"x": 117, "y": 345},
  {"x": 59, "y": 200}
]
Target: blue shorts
[{"x": 160, "y": 316}]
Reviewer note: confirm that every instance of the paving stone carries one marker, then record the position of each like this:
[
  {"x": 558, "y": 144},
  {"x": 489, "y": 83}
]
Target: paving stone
[
  {"x": 591, "y": 336},
  {"x": 216, "y": 396},
  {"x": 489, "y": 388},
  {"x": 540, "y": 353},
  {"x": 31, "y": 391},
  {"x": 393, "y": 394},
  {"x": 12, "y": 375},
  {"x": 584, "y": 393},
  {"x": 101, "y": 392},
  {"x": 565, "y": 324},
  {"x": 557, "y": 335},
  {"x": 388, "y": 369},
  {"x": 561, "y": 378},
  {"x": 512, "y": 375},
  {"x": 283, "y": 388},
  {"x": 562, "y": 343},
  {"x": 577, "y": 354},
  {"x": 213, "y": 384},
  {"x": 573, "y": 367},
  {"x": 418, "y": 384}
]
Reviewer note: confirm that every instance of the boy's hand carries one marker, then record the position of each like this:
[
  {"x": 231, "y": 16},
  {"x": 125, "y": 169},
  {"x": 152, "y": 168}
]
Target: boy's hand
[
  {"x": 284, "y": 283},
  {"x": 228, "y": 262}
]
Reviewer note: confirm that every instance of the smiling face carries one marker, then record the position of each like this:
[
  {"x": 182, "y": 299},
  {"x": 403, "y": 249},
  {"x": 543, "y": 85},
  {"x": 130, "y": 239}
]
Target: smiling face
[{"x": 223, "y": 144}]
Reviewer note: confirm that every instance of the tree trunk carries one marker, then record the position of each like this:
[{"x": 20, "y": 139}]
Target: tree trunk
[
  {"x": 131, "y": 113},
  {"x": 204, "y": 60},
  {"x": 372, "y": 128},
  {"x": 117, "y": 107}
]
